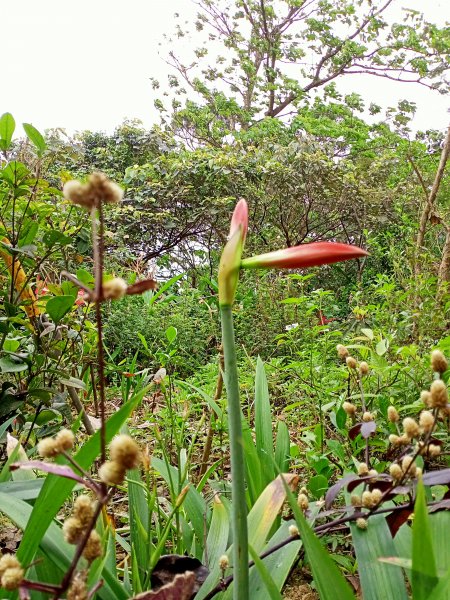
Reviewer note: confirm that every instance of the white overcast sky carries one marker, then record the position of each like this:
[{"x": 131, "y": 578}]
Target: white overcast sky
[{"x": 86, "y": 64}]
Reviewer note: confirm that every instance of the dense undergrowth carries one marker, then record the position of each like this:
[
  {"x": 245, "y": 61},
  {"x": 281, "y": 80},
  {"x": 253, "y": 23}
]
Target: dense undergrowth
[{"x": 118, "y": 381}]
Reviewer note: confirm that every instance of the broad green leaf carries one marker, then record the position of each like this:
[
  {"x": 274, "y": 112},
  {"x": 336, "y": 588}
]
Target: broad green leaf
[
  {"x": 194, "y": 504},
  {"x": 8, "y": 365},
  {"x": 271, "y": 587},
  {"x": 59, "y": 306},
  {"x": 7, "y": 127},
  {"x": 424, "y": 571},
  {"x": 72, "y": 381},
  {"x": 378, "y": 580},
  {"x": 282, "y": 447},
  {"x": 260, "y": 521},
  {"x": 35, "y": 137},
  {"x": 368, "y": 333},
  {"x": 219, "y": 530},
  {"x": 329, "y": 581},
  {"x": 442, "y": 590},
  {"x": 171, "y": 334},
  {"x": 439, "y": 522},
  {"x": 263, "y": 424},
  {"x": 278, "y": 564},
  {"x": 138, "y": 515}
]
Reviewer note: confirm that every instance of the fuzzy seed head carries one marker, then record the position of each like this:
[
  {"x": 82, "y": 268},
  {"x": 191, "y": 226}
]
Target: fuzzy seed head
[
  {"x": 224, "y": 562},
  {"x": 293, "y": 531},
  {"x": 302, "y": 501},
  {"x": 363, "y": 469},
  {"x": 351, "y": 362},
  {"x": 78, "y": 589},
  {"x": 439, "y": 394},
  {"x": 342, "y": 351},
  {"x": 377, "y": 495},
  {"x": 373, "y": 472},
  {"x": 48, "y": 448},
  {"x": 355, "y": 500},
  {"x": 12, "y": 578},
  {"x": 111, "y": 473},
  {"x": 349, "y": 408},
  {"x": 394, "y": 439},
  {"x": 426, "y": 421},
  {"x": 90, "y": 195},
  {"x": 409, "y": 467},
  {"x": 114, "y": 289},
  {"x": 434, "y": 450},
  {"x": 363, "y": 368},
  {"x": 125, "y": 451},
  {"x": 425, "y": 396},
  {"x": 93, "y": 548},
  {"x": 73, "y": 530},
  {"x": 439, "y": 363},
  {"x": 361, "y": 523},
  {"x": 65, "y": 439},
  {"x": 411, "y": 427},
  {"x": 367, "y": 500},
  {"x": 367, "y": 416},
  {"x": 396, "y": 471},
  {"x": 83, "y": 509},
  {"x": 8, "y": 561},
  {"x": 392, "y": 414}
]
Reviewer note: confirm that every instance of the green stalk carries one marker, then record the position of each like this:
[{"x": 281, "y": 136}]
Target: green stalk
[{"x": 239, "y": 505}]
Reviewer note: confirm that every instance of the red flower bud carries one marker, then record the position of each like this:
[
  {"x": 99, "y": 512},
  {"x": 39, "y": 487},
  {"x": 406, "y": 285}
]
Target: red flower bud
[
  {"x": 231, "y": 256},
  {"x": 306, "y": 255}
]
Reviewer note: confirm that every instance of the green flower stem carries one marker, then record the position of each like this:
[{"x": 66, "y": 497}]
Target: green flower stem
[{"x": 239, "y": 505}]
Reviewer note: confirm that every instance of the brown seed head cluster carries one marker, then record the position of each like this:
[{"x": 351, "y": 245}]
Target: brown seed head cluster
[
  {"x": 371, "y": 499},
  {"x": 361, "y": 523},
  {"x": 78, "y": 589},
  {"x": 11, "y": 572},
  {"x": 75, "y": 527},
  {"x": 392, "y": 414},
  {"x": 411, "y": 428},
  {"x": 303, "y": 502},
  {"x": 426, "y": 421},
  {"x": 439, "y": 363},
  {"x": 409, "y": 467},
  {"x": 224, "y": 562},
  {"x": 438, "y": 394},
  {"x": 349, "y": 408},
  {"x": 363, "y": 469},
  {"x": 125, "y": 454},
  {"x": 98, "y": 189},
  {"x": 293, "y": 531},
  {"x": 351, "y": 362},
  {"x": 396, "y": 471},
  {"x": 51, "y": 447},
  {"x": 342, "y": 351},
  {"x": 367, "y": 416},
  {"x": 363, "y": 368}
]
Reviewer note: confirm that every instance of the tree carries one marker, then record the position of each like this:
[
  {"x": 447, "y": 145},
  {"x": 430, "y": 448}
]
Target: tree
[{"x": 263, "y": 57}]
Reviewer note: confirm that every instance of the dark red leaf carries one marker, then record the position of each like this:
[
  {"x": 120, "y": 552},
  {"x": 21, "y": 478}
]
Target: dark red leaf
[
  {"x": 354, "y": 431},
  {"x": 397, "y": 518}
]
